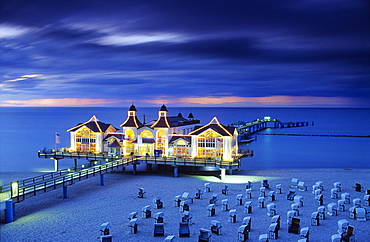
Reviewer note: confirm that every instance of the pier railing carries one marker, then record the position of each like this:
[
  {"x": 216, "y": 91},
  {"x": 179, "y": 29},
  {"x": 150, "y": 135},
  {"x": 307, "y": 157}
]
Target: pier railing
[
  {"x": 20, "y": 190},
  {"x": 178, "y": 161}
]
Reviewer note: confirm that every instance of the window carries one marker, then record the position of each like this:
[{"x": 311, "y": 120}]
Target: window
[
  {"x": 85, "y": 140},
  {"x": 181, "y": 148},
  {"x": 161, "y": 140},
  {"x": 130, "y": 135},
  {"x": 146, "y": 134},
  {"x": 210, "y": 145}
]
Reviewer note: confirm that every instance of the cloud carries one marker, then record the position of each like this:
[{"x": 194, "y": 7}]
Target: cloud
[
  {"x": 306, "y": 101},
  {"x": 24, "y": 77},
  {"x": 62, "y": 102},
  {"x": 9, "y": 31},
  {"x": 133, "y": 39},
  {"x": 243, "y": 53}
]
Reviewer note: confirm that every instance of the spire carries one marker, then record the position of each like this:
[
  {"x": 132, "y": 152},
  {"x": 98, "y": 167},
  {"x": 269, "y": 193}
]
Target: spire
[
  {"x": 163, "y": 108},
  {"x": 132, "y": 108},
  {"x": 191, "y": 116},
  {"x": 93, "y": 119}
]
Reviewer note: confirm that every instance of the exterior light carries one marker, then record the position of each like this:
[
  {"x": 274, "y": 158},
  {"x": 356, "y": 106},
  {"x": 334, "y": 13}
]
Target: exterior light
[{"x": 14, "y": 192}]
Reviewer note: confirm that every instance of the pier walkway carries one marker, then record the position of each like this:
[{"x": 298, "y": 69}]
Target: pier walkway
[
  {"x": 100, "y": 164},
  {"x": 246, "y": 129}
]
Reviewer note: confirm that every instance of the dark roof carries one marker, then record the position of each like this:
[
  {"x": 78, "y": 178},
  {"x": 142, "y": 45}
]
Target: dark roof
[
  {"x": 115, "y": 144},
  {"x": 132, "y": 108},
  {"x": 163, "y": 108},
  {"x": 191, "y": 115},
  {"x": 186, "y": 138},
  {"x": 146, "y": 141},
  {"x": 118, "y": 136},
  {"x": 132, "y": 121},
  {"x": 173, "y": 121},
  {"x": 94, "y": 125},
  {"x": 162, "y": 122}
]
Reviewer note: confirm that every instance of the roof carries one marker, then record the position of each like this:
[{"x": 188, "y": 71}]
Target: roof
[
  {"x": 117, "y": 135},
  {"x": 162, "y": 122},
  {"x": 186, "y": 138},
  {"x": 132, "y": 108},
  {"x": 173, "y": 121},
  {"x": 133, "y": 122},
  {"x": 146, "y": 141},
  {"x": 94, "y": 125},
  {"x": 215, "y": 126},
  {"x": 115, "y": 144},
  {"x": 163, "y": 108}
]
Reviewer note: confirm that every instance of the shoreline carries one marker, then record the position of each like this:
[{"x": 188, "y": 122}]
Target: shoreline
[{"x": 49, "y": 217}]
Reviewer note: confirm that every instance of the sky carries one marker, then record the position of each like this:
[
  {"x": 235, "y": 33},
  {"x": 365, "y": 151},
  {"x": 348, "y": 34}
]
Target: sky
[{"x": 242, "y": 53}]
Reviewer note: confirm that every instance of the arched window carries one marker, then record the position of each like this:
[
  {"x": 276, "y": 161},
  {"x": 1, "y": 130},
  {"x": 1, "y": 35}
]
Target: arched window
[
  {"x": 146, "y": 134},
  {"x": 130, "y": 135},
  {"x": 85, "y": 140},
  {"x": 210, "y": 145},
  {"x": 161, "y": 140},
  {"x": 181, "y": 148}
]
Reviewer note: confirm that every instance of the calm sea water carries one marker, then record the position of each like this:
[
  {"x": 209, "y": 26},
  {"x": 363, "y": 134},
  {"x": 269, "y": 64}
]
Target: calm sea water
[{"x": 24, "y": 131}]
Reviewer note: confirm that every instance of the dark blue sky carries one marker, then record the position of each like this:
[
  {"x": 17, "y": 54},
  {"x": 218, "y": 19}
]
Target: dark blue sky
[{"x": 185, "y": 53}]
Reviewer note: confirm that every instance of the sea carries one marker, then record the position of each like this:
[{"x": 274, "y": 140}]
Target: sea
[{"x": 24, "y": 131}]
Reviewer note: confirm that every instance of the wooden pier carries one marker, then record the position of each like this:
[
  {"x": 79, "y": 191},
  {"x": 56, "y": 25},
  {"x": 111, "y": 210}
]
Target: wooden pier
[
  {"x": 247, "y": 129},
  {"x": 99, "y": 164}
]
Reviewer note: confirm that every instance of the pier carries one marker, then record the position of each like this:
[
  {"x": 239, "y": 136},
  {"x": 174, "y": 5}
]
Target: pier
[
  {"x": 98, "y": 164},
  {"x": 247, "y": 129}
]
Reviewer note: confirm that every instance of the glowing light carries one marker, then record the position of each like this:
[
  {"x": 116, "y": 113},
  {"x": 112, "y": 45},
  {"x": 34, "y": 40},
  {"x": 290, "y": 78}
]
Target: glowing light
[
  {"x": 14, "y": 186},
  {"x": 235, "y": 179}
]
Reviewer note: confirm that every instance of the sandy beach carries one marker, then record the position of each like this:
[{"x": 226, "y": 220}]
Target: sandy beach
[{"x": 49, "y": 217}]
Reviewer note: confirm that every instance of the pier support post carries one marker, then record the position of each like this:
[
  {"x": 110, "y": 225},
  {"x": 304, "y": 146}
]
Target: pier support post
[
  {"x": 56, "y": 164},
  {"x": 101, "y": 179},
  {"x": 9, "y": 211},
  {"x": 223, "y": 174},
  {"x": 75, "y": 164},
  {"x": 230, "y": 172},
  {"x": 134, "y": 171},
  {"x": 149, "y": 167},
  {"x": 65, "y": 192},
  {"x": 175, "y": 171}
]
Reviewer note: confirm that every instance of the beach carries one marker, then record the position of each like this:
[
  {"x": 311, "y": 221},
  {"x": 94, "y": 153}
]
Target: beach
[{"x": 49, "y": 217}]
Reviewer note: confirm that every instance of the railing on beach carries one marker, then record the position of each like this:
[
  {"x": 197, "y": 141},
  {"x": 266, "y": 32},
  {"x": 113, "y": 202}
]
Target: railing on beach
[
  {"x": 99, "y": 163},
  {"x": 178, "y": 161},
  {"x": 20, "y": 190}
]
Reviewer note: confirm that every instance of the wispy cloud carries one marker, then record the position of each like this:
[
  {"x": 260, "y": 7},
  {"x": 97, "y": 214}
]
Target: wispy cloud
[
  {"x": 24, "y": 77},
  {"x": 8, "y": 31},
  {"x": 257, "y": 101},
  {"x": 134, "y": 39},
  {"x": 186, "y": 53}
]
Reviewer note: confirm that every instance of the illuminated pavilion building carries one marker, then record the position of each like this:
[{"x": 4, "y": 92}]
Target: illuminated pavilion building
[{"x": 167, "y": 136}]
